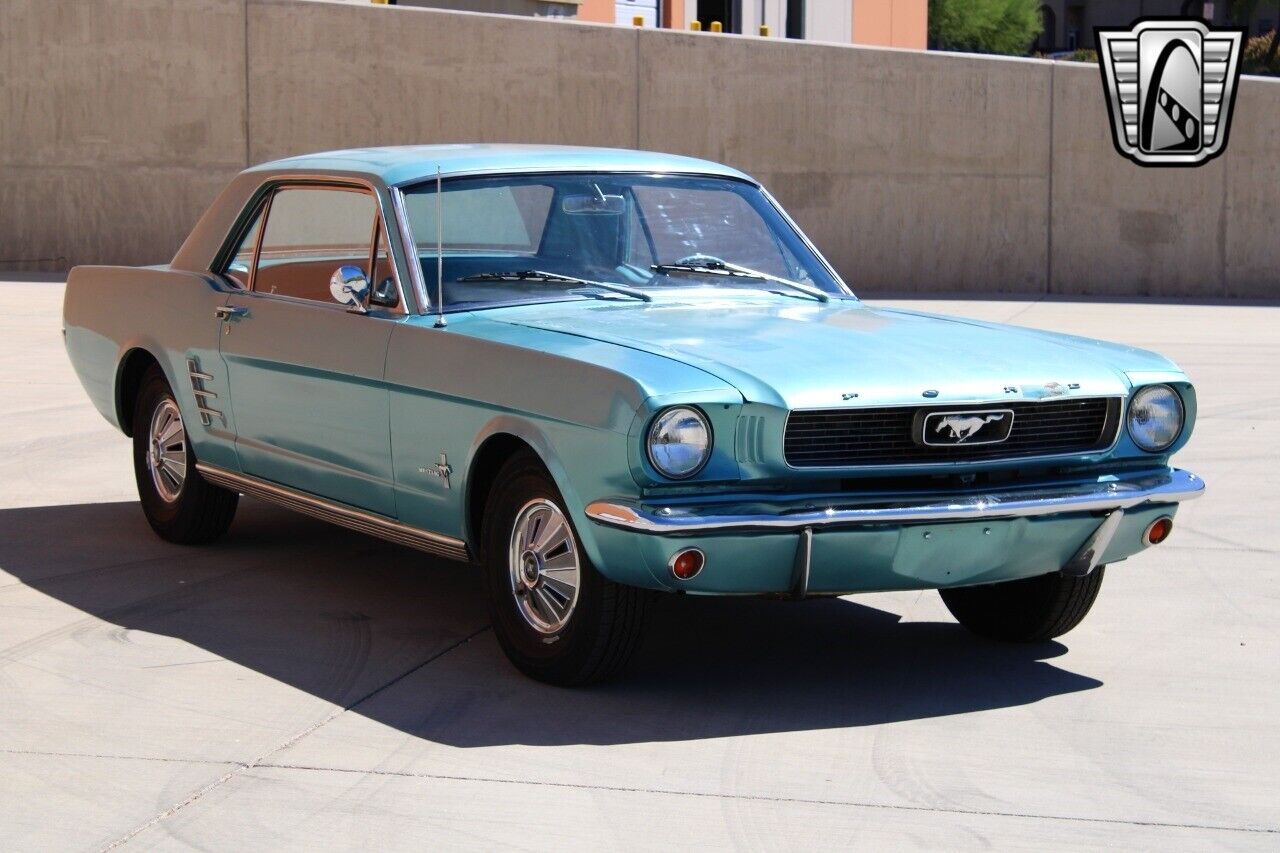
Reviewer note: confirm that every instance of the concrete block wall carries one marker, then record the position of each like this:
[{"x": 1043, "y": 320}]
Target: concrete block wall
[
  {"x": 910, "y": 171},
  {"x": 913, "y": 172},
  {"x": 119, "y": 121}
]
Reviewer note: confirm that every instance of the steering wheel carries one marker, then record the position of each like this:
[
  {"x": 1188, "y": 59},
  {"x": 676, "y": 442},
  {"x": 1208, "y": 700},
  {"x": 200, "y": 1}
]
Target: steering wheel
[{"x": 700, "y": 260}]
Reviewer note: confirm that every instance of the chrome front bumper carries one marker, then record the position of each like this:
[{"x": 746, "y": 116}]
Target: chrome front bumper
[{"x": 1121, "y": 493}]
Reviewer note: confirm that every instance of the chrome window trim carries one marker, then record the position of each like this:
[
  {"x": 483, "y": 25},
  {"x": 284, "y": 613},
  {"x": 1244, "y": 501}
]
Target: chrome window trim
[
  {"x": 503, "y": 171},
  {"x": 254, "y": 208},
  {"x": 1120, "y": 416},
  {"x": 804, "y": 238},
  {"x": 409, "y": 252},
  {"x": 377, "y": 312},
  {"x": 265, "y": 212},
  {"x": 265, "y": 194}
]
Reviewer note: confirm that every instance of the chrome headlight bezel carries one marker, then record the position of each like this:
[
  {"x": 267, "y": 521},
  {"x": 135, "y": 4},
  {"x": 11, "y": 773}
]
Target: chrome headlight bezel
[
  {"x": 1139, "y": 405},
  {"x": 665, "y": 423}
]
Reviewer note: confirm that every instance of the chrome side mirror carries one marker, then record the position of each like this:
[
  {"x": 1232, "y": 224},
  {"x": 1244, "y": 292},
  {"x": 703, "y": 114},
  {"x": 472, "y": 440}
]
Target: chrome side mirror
[{"x": 349, "y": 287}]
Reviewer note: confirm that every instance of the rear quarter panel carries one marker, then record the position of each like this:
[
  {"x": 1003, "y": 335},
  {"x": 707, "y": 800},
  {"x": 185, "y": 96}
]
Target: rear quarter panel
[{"x": 109, "y": 312}]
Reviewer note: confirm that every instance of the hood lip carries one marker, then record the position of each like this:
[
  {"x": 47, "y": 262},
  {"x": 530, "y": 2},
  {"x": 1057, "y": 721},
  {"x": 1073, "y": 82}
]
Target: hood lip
[
  {"x": 982, "y": 401},
  {"x": 1064, "y": 340},
  {"x": 1107, "y": 359}
]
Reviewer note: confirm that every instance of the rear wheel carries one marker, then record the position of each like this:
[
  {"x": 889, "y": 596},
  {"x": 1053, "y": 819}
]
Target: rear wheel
[
  {"x": 1025, "y": 611},
  {"x": 180, "y": 505},
  {"x": 556, "y": 617}
]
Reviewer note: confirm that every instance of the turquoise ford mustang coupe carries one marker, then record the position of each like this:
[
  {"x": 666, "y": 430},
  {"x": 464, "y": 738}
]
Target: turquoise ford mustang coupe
[{"x": 600, "y": 373}]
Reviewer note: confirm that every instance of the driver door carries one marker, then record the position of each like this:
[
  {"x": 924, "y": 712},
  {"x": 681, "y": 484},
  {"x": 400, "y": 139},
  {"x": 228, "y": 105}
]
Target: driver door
[{"x": 306, "y": 373}]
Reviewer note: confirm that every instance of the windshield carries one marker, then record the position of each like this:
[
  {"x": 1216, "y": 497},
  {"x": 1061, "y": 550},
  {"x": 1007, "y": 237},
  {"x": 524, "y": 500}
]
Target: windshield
[{"x": 535, "y": 238}]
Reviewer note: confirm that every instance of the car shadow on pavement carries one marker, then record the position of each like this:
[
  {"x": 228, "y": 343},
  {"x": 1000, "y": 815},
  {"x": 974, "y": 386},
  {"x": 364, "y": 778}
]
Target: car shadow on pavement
[{"x": 401, "y": 638}]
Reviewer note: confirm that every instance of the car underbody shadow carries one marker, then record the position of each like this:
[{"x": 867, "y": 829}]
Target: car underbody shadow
[{"x": 401, "y": 638}]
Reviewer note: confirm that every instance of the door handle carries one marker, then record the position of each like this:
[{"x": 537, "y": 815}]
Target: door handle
[{"x": 230, "y": 312}]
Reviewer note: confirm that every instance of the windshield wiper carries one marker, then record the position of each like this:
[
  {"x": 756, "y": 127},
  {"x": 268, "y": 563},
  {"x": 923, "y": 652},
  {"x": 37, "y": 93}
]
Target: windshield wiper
[
  {"x": 539, "y": 275},
  {"x": 715, "y": 266}
]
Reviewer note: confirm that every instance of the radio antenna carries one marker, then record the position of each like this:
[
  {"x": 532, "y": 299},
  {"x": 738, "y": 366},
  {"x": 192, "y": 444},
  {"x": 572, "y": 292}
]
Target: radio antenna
[{"x": 440, "y": 321}]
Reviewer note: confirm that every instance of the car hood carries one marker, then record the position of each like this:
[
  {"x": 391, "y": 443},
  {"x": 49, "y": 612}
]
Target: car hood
[{"x": 780, "y": 351}]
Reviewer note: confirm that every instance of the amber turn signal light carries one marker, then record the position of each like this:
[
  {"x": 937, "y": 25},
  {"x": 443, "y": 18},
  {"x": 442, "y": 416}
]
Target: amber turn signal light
[
  {"x": 687, "y": 563},
  {"x": 1158, "y": 530}
]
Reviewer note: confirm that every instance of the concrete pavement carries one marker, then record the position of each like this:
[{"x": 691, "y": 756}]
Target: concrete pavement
[{"x": 302, "y": 687}]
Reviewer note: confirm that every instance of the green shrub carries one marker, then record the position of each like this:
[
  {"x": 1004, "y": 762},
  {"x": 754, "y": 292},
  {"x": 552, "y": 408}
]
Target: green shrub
[
  {"x": 1083, "y": 54},
  {"x": 985, "y": 26},
  {"x": 1256, "y": 50}
]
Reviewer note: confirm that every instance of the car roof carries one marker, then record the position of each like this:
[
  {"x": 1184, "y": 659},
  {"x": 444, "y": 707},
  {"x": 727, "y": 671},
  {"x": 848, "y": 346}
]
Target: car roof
[{"x": 409, "y": 164}]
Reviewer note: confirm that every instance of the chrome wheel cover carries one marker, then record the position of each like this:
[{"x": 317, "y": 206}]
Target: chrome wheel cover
[
  {"x": 544, "y": 566},
  {"x": 167, "y": 450}
]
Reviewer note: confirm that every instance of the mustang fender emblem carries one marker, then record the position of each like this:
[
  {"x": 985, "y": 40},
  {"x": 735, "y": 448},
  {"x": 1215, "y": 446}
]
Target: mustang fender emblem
[{"x": 442, "y": 469}]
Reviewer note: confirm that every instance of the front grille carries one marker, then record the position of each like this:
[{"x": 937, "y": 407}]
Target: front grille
[{"x": 889, "y": 435}]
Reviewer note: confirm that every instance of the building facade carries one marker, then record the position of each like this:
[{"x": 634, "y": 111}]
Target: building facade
[
  {"x": 886, "y": 23},
  {"x": 1068, "y": 24},
  {"x": 883, "y": 23}
]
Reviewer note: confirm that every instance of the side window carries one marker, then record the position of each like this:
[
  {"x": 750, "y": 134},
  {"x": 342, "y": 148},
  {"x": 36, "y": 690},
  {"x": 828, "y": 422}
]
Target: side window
[
  {"x": 310, "y": 232},
  {"x": 242, "y": 260}
]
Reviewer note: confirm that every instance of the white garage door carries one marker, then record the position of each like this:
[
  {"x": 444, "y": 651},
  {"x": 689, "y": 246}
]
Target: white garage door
[{"x": 647, "y": 9}]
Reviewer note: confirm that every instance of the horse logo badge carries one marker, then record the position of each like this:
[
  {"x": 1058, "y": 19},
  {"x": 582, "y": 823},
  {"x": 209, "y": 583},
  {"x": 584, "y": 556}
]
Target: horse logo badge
[{"x": 942, "y": 429}]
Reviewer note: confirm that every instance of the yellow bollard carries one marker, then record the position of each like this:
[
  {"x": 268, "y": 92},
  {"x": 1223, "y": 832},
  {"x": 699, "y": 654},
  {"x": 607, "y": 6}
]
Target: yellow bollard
[
  {"x": 764, "y": 30},
  {"x": 695, "y": 26},
  {"x": 715, "y": 27},
  {"x": 378, "y": 2},
  {"x": 637, "y": 20}
]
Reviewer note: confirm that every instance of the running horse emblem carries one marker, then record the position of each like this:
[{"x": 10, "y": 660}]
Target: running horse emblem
[{"x": 961, "y": 427}]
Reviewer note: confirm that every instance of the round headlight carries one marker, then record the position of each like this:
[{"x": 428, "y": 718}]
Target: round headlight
[
  {"x": 1155, "y": 417},
  {"x": 679, "y": 442}
]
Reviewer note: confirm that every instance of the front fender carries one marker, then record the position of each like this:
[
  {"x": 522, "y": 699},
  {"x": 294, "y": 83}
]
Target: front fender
[
  {"x": 583, "y": 462},
  {"x": 529, "y": 433}
]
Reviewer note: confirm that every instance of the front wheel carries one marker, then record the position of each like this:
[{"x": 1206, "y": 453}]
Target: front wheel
[
  {"x": 1025, "y": 611},
  {"x": 557, "y": 618},
  {"x": 180, "y": 505}
]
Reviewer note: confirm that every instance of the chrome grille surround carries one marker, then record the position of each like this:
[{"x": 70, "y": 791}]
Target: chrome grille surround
[{"x": 890, "y": 435}]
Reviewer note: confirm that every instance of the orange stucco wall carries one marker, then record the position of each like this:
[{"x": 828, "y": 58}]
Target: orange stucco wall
[
  {"x": 597, "y": 10},
  {"x": 673, "y": 14},
  {"x": 891, "y": 23}
]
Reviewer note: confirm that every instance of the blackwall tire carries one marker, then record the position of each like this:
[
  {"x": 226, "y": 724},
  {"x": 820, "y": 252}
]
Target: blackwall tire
[
  {"x": 557, "y": 619},
  {"x": 180, "y": 505},
  {"x": 1031, "y": 610}
]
